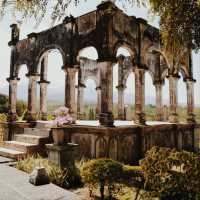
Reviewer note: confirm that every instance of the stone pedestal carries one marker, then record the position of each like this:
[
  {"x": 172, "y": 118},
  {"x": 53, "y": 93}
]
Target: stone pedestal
[
  {"x": 106, "y": 73},
  {"x": 190, "y": 101},
  {"x": 70, "y": 101},
  {"x": 173, "y": 81},
  {"x": 62, "y": 155},
  {"x": 139, "y": 96}
]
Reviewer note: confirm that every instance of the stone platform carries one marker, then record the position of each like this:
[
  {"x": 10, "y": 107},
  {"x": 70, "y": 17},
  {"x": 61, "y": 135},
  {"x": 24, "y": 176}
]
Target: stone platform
[{"x": 127, "y": 142}]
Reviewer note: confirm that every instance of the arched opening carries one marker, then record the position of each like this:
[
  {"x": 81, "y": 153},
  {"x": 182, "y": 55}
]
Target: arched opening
[
  {"x": 150, "y": 98},
  {"x": 123, "y": 83},
  {"x": 87, "y": 84},
  {"x": 90, "y": 99},
  {"x": 51, "y": 71},
  {"x": 182, "y": 99},
  {"x": 129, "y": 97},
  {"x": 22, "y": 93},
  {"x": 88, "y": 52}
]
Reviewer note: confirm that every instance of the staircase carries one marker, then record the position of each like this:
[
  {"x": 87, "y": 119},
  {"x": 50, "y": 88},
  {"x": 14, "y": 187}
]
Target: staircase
[{"x": 32, "y": 141}]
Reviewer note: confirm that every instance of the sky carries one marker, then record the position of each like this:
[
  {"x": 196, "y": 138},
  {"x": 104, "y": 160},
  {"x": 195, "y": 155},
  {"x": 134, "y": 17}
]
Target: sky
[{"x": 56, "y": 75}]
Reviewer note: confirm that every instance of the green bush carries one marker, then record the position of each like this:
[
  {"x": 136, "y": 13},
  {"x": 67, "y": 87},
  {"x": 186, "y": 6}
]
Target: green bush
[
  {"x": 101, "y": 173},
  {"x": 66, "y": 177},
  {"x": 171, "y": 175}
]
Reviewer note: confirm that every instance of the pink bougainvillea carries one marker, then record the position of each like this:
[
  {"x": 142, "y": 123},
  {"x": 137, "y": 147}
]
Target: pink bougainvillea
[{"x": 62, "y": 116}]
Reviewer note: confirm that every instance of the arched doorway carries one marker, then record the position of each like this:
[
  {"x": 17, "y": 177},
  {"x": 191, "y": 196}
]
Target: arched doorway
[
  {"x": 22, "y": 93},
  {"x": 52, "y": 83},
  {"x": 129, "y": 97},
  {"x": 88, "y": 85},
  {"x": 150, "y": 100},
  {"x": 123, "y": 82},
  {"x": 90, "y": 99},
  {"x": 182, "y": 99}
]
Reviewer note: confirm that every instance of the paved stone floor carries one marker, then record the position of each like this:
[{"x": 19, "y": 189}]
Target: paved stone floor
[
  {"x": 14, "y": 185},
  {"x": 4, "y": 160}
]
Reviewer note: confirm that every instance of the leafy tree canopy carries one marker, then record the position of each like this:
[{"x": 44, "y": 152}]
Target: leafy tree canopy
[{"x": 179, "y": 19}]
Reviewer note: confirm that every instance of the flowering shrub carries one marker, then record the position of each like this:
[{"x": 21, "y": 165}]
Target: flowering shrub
[{"x": 62, "y": 116}]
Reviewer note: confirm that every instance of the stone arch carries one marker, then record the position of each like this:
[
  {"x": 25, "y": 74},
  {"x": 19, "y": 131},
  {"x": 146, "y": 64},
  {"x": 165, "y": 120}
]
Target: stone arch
[
  {"x": 45, "y": 50},
  {"x": 17, "y": 68},
  {"x": 132, "y": 51},
  {"x": 154, "y": 49},
  {"x": 183, "y": 72},
  {"x": 92, "y": 48}
]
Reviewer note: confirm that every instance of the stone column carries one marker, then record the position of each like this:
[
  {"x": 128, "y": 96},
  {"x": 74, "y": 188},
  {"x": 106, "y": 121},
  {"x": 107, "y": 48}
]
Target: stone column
[
  {"x": 173, "y": 83},
  {"x": 43, "y": 99},
  {"x": 70, "y": 100},
  {"x": 159, "y": 108},
  {"x": 32, "y": 97},
  {"x": 139, "y": 96},
  {"x": 80, "y": 102},
  {"x": 12, "y": 99},
  {"x": 121, "y": 108},
  {"x": 190, "y": 100},
  {"x": 106, "y": 73}
]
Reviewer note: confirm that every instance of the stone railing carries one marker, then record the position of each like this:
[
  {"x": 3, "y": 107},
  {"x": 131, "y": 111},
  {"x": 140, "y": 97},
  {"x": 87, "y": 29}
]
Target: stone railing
[{"x": 3, "y": 132}]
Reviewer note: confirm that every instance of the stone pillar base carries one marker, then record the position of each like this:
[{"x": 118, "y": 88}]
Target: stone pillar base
[
  {"x": 81, "y": 116},
  {"x": 140, "y": 119},
  {"x": 106, "y": 119},
  {"x": 159, "y": 117},
  {"x": 191, "y": 118},
  {"x": 121, "y": 117},
  {"x": 31, "y": 117},
  {"x": 44, "y": 116},
  {"x": 12, "y": 117},
  {"x": 62, "y": 155},
  {"x": 173, "y": 118}
]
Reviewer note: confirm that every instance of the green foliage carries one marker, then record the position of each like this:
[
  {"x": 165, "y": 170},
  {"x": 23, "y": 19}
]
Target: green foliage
[
  {"x": 132, "y": 176},
  {"x": 21, "y": 108},
  {"x": 171, "y": 175},
  {"x": 3, "y": 103},
  {"x": 50, "y": 117},
  {"x": 61, "y": 177},
  {"x": 100, "y": 173},
  {"x": 3, "y": 118}
]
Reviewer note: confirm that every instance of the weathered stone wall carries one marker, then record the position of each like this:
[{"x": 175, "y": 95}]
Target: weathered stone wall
[{"x": 129, "y": 144}]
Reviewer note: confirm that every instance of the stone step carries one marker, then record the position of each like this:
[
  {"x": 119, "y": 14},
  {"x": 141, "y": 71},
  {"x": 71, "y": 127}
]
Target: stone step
[
  {"x": 10, "y": 153},
  {"x": 36, "y": 131},
  {"x": 32, "y": 139},
  {"x": 21, "y": 146}
]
